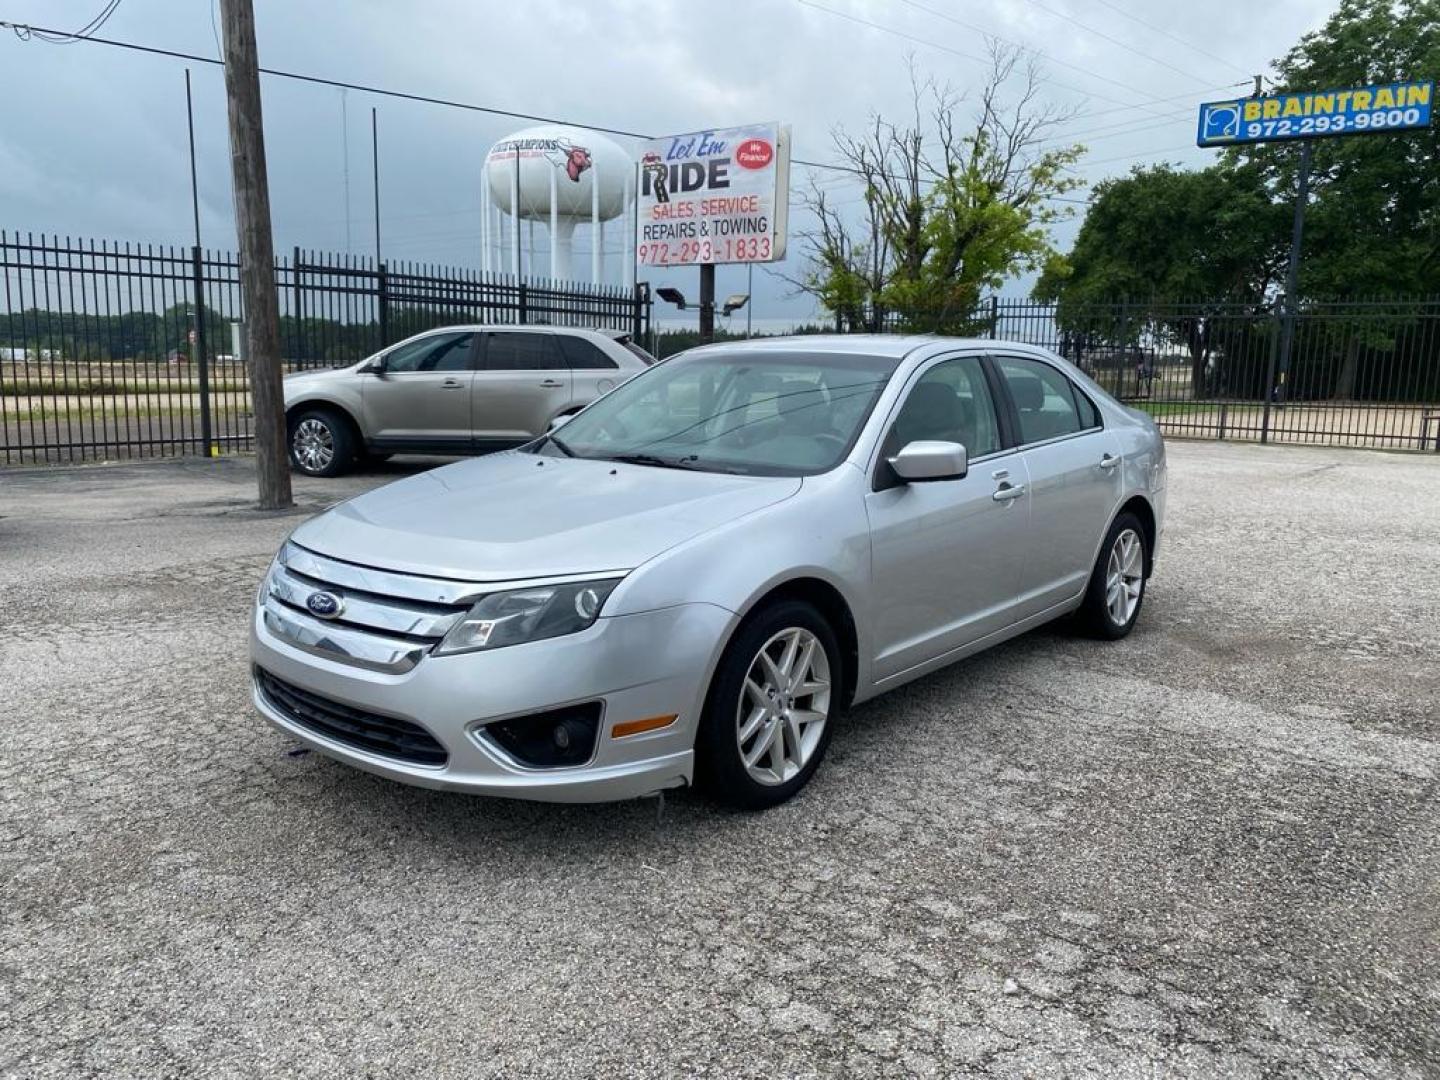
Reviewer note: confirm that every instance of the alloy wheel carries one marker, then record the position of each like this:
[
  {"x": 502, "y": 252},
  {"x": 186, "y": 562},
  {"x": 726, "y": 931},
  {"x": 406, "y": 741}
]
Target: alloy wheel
[
  {"x": 783, "y": 706},
  {"x": 314, "y": 445},
  {"x": 1124, "y": 577}
]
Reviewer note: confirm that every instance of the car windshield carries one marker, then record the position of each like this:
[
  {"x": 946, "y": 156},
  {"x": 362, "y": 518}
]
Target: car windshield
[{"x": 778, "y": 413}]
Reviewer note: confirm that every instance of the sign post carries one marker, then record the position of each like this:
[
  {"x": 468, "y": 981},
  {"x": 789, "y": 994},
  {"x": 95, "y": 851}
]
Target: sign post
[
  {"x": 712, "y": 197},
  {"x": 1382, "y": 108}
]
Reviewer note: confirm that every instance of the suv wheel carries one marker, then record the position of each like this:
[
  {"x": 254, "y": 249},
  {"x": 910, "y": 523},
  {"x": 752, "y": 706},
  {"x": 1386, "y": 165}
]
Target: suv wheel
[
  {"x": 768, "y": 718},
  {"x": 321, "y": 443}
]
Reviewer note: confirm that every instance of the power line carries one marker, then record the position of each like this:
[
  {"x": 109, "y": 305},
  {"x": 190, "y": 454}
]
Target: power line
[
  {"x": 1145, "y": 154},
  {"x": 1116, "y": 41},
  {"x": 62, "y": 37},
  {"x": 1173, "y": 37},
  {"x": 936, "y": 45},
  {"x": 1020, "y": 45},
  {"x": 24, "y": 29}
]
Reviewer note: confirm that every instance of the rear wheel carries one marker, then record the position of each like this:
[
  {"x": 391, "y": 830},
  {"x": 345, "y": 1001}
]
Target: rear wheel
[
  {"x": 1117, "y": 584},
  {"x": 768, "y": 716},
  {"x": 321, "y": 443}
]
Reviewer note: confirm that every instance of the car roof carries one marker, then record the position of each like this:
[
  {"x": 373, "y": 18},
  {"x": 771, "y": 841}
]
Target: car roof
[
  {"x": 896, "y": 346},
  {"x": 604, "y": 331}
]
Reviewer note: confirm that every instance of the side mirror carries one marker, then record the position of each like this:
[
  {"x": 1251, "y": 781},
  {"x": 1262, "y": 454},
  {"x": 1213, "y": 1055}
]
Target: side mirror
[
  {"x": 930, "y": 460},
  {"x": 560, "y": 421},
  {"x": 374, "y": 367}
]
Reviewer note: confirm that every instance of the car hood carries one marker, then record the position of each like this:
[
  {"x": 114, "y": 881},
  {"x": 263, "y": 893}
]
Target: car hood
[{"x": 515, "y": 515}]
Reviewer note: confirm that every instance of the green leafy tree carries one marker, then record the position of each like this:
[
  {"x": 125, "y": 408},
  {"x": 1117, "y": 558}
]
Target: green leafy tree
[
  {"x": 1372, "y": 226},
  {"x": 948, "y": 209},
  {"x": 1168, "y": 252}
]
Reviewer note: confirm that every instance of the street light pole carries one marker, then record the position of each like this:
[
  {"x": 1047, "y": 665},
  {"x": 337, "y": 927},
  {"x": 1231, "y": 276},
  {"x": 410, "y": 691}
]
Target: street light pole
[{"x": 707, "y": 303}]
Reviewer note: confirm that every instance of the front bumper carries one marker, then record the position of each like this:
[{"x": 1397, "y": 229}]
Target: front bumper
[{"x": 650, "y": 664}]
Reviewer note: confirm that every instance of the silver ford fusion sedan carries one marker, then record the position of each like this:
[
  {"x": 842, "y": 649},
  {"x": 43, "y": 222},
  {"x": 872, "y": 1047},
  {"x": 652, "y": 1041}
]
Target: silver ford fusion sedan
[{"x": 688, "y": 581}]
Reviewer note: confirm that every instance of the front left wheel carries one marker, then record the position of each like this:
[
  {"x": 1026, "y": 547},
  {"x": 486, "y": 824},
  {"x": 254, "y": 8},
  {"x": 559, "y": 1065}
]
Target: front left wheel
[{"x": 768, "y": 717}]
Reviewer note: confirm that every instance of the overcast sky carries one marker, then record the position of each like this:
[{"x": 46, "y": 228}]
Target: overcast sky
[{"x": 93, "y": 141}]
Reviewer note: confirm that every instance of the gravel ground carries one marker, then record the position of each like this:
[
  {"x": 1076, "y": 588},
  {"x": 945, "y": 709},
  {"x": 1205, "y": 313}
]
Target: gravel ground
[{"x": 1209, "y": 850}]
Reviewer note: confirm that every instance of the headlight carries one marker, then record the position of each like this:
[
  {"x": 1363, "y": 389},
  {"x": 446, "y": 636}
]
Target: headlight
[
  {"x": 520, "y": 615},
  {"x": 265, "y": 582}
]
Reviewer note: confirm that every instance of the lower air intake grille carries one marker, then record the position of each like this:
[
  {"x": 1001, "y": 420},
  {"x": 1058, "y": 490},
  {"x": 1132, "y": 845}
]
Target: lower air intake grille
[{"x": 385, "y": 735}]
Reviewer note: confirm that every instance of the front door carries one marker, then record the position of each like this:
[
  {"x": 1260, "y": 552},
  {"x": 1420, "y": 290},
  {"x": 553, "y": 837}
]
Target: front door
[
  {"x": 523, "y": 382},
  {"x": 1075, "y": 479},
  {"x": 421, "y": 398},
  {"x": 946, "y": 554}
]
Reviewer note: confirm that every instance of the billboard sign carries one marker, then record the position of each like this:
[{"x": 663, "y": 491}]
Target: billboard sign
[
  {"x": 1363, "y": 110},
  {"x": 714, "y": 197}
]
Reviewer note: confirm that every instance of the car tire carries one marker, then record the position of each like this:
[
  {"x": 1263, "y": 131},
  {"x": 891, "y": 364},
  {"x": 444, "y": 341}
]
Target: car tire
[
  {"x": 1117, "y": 584},
  {"x": 761, "y": 739},
  {"x": 321, "y": 443}
]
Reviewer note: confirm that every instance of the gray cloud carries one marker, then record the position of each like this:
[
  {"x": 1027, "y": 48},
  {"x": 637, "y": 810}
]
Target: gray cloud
[{"x": 94, "y": 141}]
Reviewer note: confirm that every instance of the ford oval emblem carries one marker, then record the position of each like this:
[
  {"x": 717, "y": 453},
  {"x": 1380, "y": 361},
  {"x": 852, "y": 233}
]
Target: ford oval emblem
[{"x": 324, "y": 605}]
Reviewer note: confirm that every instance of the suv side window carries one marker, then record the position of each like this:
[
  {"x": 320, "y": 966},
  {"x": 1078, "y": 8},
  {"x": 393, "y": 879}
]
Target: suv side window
[
  {"x": 516, "y": 350},
  {"x": 1044, "y": 399},
  {"x": 950, "y": 402},
  {"x": 438, "y": 352},
  {"x": 580, "y": 353}
]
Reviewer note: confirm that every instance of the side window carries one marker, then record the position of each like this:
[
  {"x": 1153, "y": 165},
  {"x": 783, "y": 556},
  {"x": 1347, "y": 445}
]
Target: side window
[
  {"x": 520, "y": 351},
  {"x": 580, "y": 353},
  {"x": 1042, "y": 397},
  {"x": 439, "y": 352},
  {"x": 950, "y": 402},
  {"x": 1089, "y": 414}
]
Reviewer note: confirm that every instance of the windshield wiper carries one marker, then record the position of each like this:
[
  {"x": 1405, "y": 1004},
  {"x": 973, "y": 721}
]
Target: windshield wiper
[
  {"x": 555, "y": 441},
  {"x": 651, "y": 459},
  {"x": 690, "y": 462}
]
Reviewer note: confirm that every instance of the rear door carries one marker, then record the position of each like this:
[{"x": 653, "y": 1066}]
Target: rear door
[
  {"x": 592, "y": 371},
  {"x": 522, "y": 383},
  {"x": 421, "y": 399},
  {"x": 1074, "y": 478}
]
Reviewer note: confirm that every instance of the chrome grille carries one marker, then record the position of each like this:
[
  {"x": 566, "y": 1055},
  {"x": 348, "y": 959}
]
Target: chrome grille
[{"x": 386, "y": 621}]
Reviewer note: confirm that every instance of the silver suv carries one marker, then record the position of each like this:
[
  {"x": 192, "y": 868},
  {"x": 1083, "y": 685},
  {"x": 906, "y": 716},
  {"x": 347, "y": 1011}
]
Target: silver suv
[{"x": 456, "y": 390}]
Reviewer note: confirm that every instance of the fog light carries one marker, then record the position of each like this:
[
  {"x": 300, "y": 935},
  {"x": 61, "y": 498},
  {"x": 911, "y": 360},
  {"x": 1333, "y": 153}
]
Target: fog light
[{"x": 557, "y": 739}]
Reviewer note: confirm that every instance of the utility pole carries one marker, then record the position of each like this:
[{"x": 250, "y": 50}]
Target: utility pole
[{"x": 257, "y": 255}]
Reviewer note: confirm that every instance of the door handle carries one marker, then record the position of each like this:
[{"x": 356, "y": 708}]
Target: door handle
[
  {"x": 1006, "y": 492},
  {"x": 551, "y": 384},
  {"x": 452, "y": 384},
  {"x": 1109, "y": 461}
]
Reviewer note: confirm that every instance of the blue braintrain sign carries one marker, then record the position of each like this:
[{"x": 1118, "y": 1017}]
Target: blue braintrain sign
[{"x": 1312, "y": 114}]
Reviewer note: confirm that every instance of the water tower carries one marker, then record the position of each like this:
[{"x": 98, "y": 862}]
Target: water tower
[{"x": 560, "y": 176}]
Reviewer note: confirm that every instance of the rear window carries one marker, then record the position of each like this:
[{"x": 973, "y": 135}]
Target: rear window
[
  {"x": 634, "y": 350},
  {"x": 580, "y": 353}
]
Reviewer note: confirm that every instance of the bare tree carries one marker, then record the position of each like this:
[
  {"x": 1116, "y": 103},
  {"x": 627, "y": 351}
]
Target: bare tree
[{"x": 947, "y": 209}]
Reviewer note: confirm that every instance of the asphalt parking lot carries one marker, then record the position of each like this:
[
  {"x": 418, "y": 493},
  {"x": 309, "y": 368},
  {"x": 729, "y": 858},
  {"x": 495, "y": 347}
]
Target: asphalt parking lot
[{"x": 1210, "y": 850}]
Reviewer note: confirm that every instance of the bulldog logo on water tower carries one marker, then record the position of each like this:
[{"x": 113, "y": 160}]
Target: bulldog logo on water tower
[{"x": 559, "y": 176}]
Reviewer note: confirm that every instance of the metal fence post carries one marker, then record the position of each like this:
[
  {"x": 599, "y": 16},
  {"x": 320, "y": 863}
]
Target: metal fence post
[
  {"x": 382, "y": 284},
  {"x": 300, "y": 352},
  {"x": 202, "y": 361},
  {"x": 524, "y": 303},
  {"x": 994, "y": 317},
  {"x": 1266, "y": 390}
]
